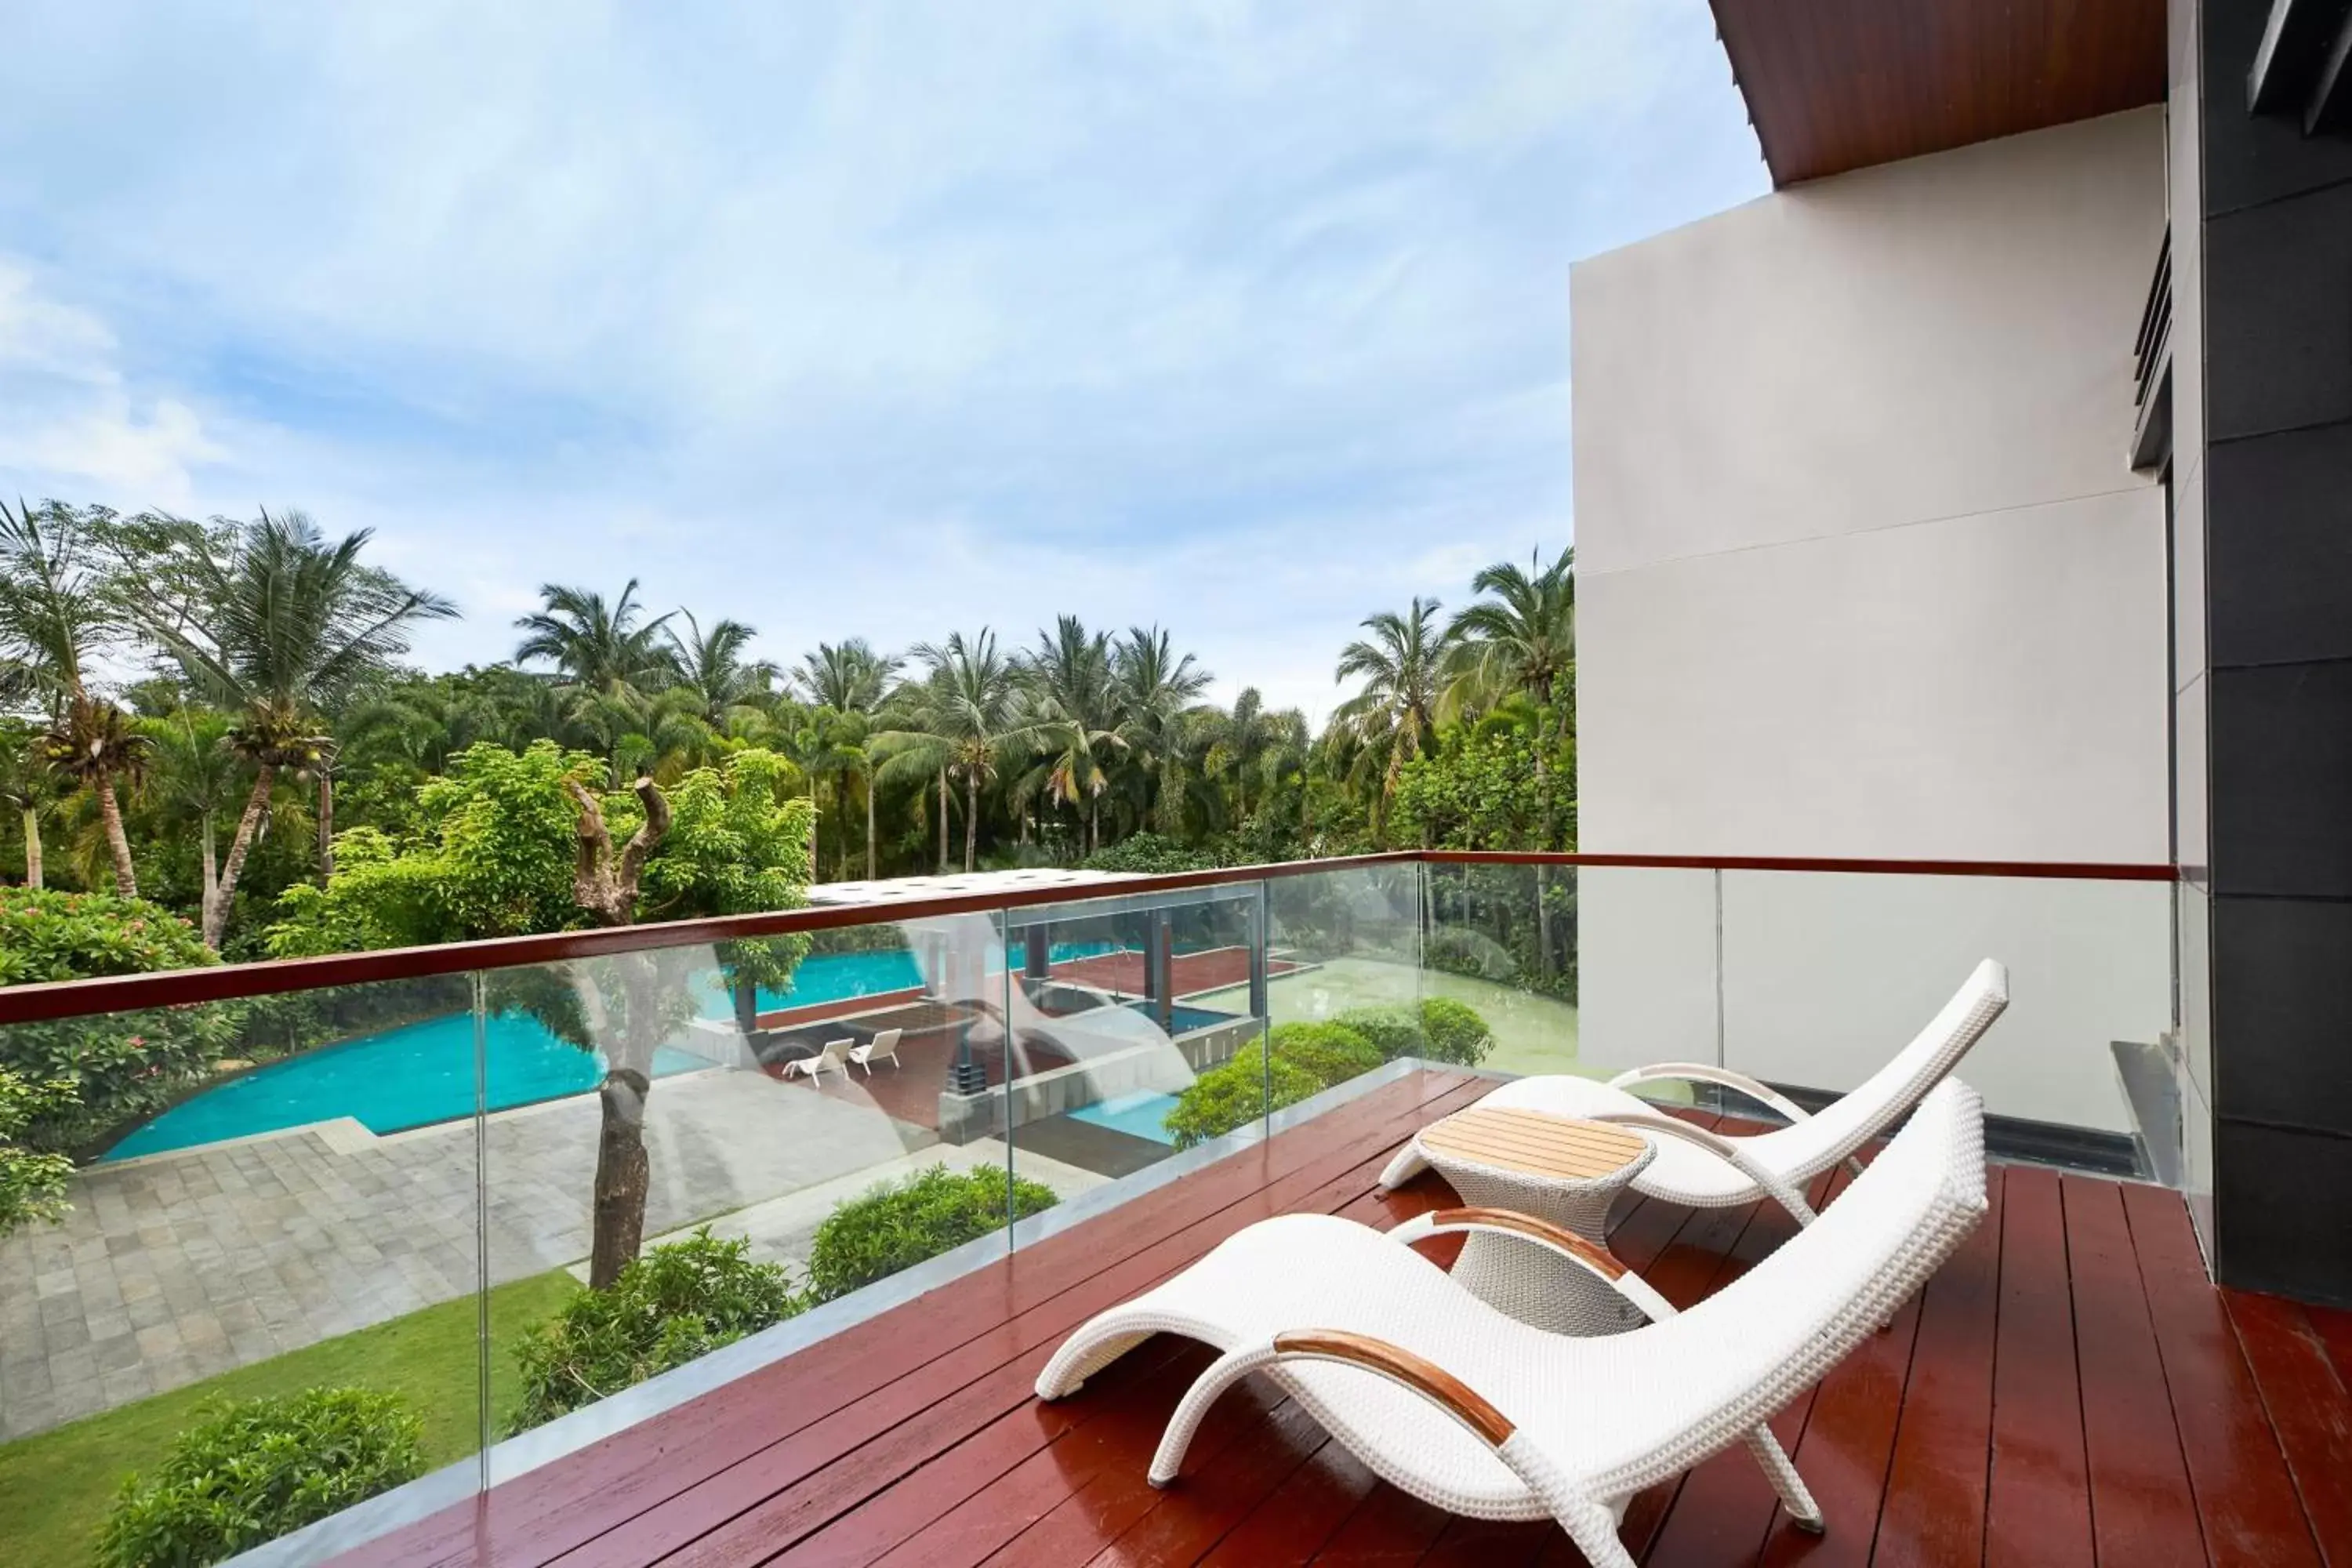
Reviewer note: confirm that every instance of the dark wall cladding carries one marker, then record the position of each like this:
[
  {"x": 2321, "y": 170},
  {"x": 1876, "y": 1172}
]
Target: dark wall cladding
[{"x": 2275, "y": 211}]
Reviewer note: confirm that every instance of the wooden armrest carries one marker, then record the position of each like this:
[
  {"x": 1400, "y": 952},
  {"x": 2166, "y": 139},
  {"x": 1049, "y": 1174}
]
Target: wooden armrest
[
  {"x": 1599, "y": 1258},
  {"x": 1425, "y": 1377}
]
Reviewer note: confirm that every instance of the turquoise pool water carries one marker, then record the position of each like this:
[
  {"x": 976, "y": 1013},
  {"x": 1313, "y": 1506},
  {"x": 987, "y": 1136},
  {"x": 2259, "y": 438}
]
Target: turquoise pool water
[
  {"x": 1136, "y": 1115},
  {"x": 423, "y": 1073},
  {"x": 402, "y": 1077}
]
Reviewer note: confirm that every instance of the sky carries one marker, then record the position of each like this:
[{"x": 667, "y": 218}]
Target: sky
[{"x": 847, "y": 317}]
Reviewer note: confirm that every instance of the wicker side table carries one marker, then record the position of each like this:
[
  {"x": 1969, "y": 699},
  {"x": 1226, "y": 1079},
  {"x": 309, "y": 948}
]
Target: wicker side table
[{"x": 1555, "y": 1168}]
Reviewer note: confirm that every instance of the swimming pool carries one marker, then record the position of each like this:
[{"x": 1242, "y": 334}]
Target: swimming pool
[
  {"x": 1136, "y": 1115},
  {"x": 403, "y": 1078}
]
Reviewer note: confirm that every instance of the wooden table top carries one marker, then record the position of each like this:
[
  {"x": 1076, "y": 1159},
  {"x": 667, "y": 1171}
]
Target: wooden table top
[{"x": 1530, "y": 1142}]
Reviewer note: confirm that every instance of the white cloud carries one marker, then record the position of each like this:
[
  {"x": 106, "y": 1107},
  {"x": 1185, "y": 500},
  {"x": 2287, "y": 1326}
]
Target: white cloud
[{"x": 847, "y": 319}]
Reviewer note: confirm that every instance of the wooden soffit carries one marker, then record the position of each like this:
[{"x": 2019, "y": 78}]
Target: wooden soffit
[{"x": 1833, "y": 85}]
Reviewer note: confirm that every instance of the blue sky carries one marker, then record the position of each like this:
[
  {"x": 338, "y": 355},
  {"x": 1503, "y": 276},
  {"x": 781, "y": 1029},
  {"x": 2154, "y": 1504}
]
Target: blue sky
[{"x": 847, "y": 317}]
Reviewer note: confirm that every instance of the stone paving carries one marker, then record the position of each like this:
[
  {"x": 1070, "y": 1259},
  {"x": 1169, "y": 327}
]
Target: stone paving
[{"x": 179, "y": 1266}]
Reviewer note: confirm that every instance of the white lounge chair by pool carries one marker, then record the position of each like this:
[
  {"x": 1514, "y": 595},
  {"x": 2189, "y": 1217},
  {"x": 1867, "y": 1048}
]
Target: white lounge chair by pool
[
  {"x": 882, "y": 1048},
  {"x": 834, "y": 1055},
  {"x": 1476, "y": 1413},
  {"x": 1706, "y": 1170}
]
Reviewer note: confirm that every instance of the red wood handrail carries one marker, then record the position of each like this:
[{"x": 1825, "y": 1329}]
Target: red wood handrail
[{"x": 180, "y": 987}]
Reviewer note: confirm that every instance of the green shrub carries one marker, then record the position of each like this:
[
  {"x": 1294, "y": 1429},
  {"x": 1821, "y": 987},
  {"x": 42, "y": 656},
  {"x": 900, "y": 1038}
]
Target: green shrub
[
  {"x": 32, "y": 1186},
  {"x": 1394, "y": 1031},
  {"x": 253, "y": 1470},
  {"x": 679, "y": 1301},
  {"x": 899, "y": 1225},
  {"x": 1307, "y": 1059},
  {"x": 1455, "y": 1031},
  {"x": 1151, "y": 855},
  {"x": 123, "y": 1066}
]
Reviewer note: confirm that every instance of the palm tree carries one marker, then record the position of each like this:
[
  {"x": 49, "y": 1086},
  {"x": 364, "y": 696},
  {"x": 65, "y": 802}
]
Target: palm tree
[
  {"x": 25, "y": 785},
  {"x": 1074, "y": 721},
  {"x": 608, "y": 660},
  {"x": 850, "y": 678},
  {"x": 194, "y": 774},
  {"x": 711, "y": 666},
  {"x": 970, "y": 712},
  {"x": 1252, "y": 744},
  {"x": 1522, "y": 639},
  {"x": 1392, "y": 716},
  {"x": 57, "y": 611},
  {"x": 1156, "y": 690},
  {"x": 290, "y": 627}
]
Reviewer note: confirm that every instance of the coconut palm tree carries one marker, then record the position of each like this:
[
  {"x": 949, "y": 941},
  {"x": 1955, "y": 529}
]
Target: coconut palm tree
[
  {"x": 1074, "y": 720},
  {"x": 711, "y": 665},
  {"x": 848, "y": 676},
  {"x": 1156, "y": 689},
  {"x": 25, "y": 785},
  {"x": 57, "y": 613},
  {"x": 1521, "y": 638},
  {"x": 1393, "y": 715},
  {"x": 968, "y": 709},
  {"x": 290, "y": 626},
  {"x": 608, "y": 660},
  {"x": 193, "y": 774},
  {"x": 1251, "y": 746}
]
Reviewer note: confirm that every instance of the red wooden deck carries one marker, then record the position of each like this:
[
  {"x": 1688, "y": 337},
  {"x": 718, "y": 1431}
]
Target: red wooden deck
[{"x": 2069, "y": 1390}]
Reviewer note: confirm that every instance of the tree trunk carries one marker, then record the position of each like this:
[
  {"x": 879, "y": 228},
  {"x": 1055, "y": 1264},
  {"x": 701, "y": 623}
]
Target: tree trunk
[
  {"x": 970, "y": 818},
  {"x": 622, "y": 1174},
  {"x": 326, "y": 826},
  {"x": 1094, "y": 824},
  {"x": 1543, "y": 873},
  {"x": 211, "y": 866},
  {"x": 215, "y": 915},
  {"x": 943, "y": 822},
  {"x": 32, "y": 847},
  {"x": 870, "y": 824},
  {"x": 126, "y": 876}
]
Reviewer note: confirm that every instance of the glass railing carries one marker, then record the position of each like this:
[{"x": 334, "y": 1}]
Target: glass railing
[{"x": 524, "y": 1194}]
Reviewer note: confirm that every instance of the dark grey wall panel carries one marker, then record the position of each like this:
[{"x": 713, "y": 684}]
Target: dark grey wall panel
[
  {"x": 2280, "y": 583},
  {"x": 2251, "y": 160},
  {"x": 2281, "y": 775},
  {"x": 2285, "y": 1008},
  {"x": 2282, "y": 1210},
  {"x": 2279, "y": 276}
]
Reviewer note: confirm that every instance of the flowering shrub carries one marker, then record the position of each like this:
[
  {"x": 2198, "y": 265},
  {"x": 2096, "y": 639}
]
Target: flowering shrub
[{"x": 123, "y": 1066}]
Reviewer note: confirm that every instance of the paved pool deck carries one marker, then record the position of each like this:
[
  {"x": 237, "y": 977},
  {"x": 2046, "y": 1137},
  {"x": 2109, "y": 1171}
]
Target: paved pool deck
[{"x": 182, "y": 1265}]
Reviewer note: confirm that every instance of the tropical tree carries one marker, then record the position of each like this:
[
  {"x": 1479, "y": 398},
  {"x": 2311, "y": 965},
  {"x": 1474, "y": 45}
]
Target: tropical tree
[
  {"x": 711, "y": 668},
  {"x": 1074, "y": 721},
  {"x": 1157, "y": 689},
  {"x": 25, "y": 785},
  {"x": 608, "y": 660},
  {"x": 1392, "y": 716},
  {"x": 846, "y": 677},
  {"x": 192, "y": 772},
  {"x": 1520, "y": 637},
  {"x": 58, "y": 612},
  {"x": 970, "y": 711},
  {"x": 287, "y": 626},
  {"x": 1253, "y": 748}
]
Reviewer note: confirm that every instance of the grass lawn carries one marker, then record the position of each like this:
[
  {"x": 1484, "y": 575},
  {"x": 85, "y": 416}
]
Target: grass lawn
[{"x": 56, "y": 1486}]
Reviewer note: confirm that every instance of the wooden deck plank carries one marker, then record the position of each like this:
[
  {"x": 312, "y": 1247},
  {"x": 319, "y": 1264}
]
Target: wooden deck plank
[
  {"x": 1208, "y": 1501},
  {"x": 2038, "y": 1507},
  {"x": 2141, "y": 1510},
  {"x": 2245, "y": 1497},
  {"x": 558, "y": 1508},
  {"x": 1299, "y": 1516},
  {"x": 2334, "y": 1327},
  {"x": 1934, "y": 1511},
  {"x": 771, "y": 1517},
  {"x": 901, "y": 1415},
  {"x": 2310, "y": 1408},
  {"x": 1725, "y": 1507}
]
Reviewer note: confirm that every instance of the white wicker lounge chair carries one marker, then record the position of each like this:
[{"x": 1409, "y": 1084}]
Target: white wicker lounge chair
[
  {"x": 834, "y": 1055},
  {"x": 882, "y": 1048},
  {"x": 1705, "y": 1170},
  {"x": 1475, "y": 1412}
]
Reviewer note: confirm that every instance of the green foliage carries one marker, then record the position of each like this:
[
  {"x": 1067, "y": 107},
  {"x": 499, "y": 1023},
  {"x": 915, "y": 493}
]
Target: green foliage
[
  {"x": 50, "y": 935},
  {"x": 679, "y": 1301},
  {"x": 1307, "y": 1059},
  {"x": 899, "y": 1225},
  {"x": 1455, "y": 1031},
  {"x": 250, "y": 1472},
  {"x": 117, "y": 1065},
  {"x": 1395, "y": 1030},
  {"x": 1150, "y": 855},
  {"x": 1481, "y": 787},
  {"x": 32, "y": 1185}
]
